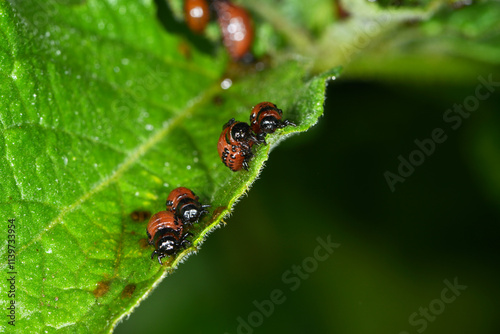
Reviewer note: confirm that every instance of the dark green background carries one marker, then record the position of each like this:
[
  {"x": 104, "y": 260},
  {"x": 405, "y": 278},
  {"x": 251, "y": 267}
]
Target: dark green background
[{"x": 396, "y": 248}]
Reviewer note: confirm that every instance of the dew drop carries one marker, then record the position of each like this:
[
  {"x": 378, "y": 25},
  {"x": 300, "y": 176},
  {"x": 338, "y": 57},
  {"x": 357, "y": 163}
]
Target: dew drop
[{"x": 226, "y": 83}]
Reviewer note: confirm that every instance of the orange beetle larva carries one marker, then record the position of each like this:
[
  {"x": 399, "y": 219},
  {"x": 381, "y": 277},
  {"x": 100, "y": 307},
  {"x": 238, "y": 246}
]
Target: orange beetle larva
[{"x": 197, "y": 14}]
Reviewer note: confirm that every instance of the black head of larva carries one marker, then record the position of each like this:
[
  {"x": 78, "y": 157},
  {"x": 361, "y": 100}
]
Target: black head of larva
[
  {"x": 191, "y": 210},
  {"x": 269, "y": 123},
  {"x": 170, "y": 244},
  {"x": 241, "y": 132}
]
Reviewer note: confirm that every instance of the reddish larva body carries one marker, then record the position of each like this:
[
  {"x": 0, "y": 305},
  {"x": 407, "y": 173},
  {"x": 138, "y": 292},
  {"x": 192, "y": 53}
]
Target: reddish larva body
[
  {"x": 163, "y": 220},
  {"x": 177, "y": 195},
  {"x": 197, "y": 14},
  {"x": 236, "y": 27},
  {"x": 235, "y": 145},
  {"x": 185, "y": 204},
  {"x": 166, "y": 232},
  {"x": 266, "y": 118}
]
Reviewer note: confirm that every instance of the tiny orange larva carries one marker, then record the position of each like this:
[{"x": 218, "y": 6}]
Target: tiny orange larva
[
  {"x": 197, "y": 14},
  {"x": 235, "y": 145},
  {"x": 185, "y": 205},
  {"x": 166, "y": 232},
  {"x": 266, "y": 118},
  {"x": 236, "y": 27}
]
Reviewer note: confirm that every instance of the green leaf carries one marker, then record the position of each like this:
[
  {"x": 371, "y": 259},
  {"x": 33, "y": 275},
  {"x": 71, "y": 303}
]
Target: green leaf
[
  {"x": 103, "y": 112},
  {"x": 423, "y": 39},
  {"x": 434, "y": 42}
]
